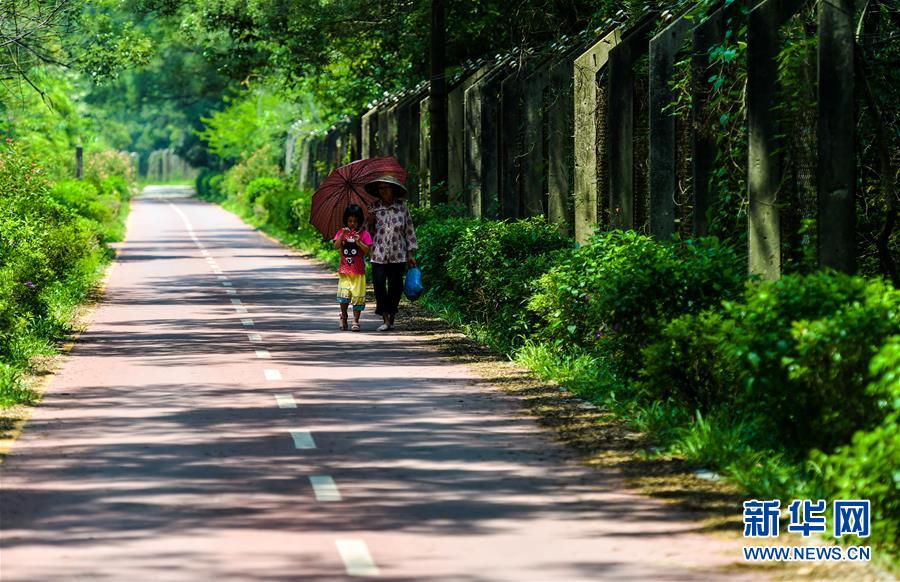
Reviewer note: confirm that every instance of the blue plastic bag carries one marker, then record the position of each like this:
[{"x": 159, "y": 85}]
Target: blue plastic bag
[{"x": 413, "y": 287}]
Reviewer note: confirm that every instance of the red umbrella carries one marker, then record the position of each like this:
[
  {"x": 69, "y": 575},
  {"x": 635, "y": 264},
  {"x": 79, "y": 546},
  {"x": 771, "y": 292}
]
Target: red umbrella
[{"x": 345, "y": 186}]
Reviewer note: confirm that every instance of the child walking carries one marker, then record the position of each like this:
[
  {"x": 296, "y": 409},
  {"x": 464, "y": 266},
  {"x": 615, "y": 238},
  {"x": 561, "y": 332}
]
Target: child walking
[{"x": 353, "y": 242}]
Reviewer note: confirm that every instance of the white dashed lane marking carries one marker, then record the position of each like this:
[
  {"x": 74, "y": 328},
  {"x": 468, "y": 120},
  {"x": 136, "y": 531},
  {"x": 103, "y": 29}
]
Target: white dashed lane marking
[
  {"x": 354, "y": 553},
  {"x": 285, "y": 401},
  {"x": 303, "y": 439},
  {"x": 357, "y": 560},
  {"x": 325, "y": 488}
]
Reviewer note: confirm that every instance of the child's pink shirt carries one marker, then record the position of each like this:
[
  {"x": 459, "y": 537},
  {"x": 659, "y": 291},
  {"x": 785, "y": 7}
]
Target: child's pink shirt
[{"x": 352, "y": 257}]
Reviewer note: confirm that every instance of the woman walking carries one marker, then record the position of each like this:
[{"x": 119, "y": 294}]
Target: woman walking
[{"x": 393, "y": 245}]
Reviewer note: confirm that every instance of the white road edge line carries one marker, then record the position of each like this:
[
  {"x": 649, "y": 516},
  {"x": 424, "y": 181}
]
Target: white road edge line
[
  {"x": 303, "y": 439},
  {"x": 356, "y": 557},
  {"x": 263, "y": 354},
  {"x": 247, "y": 321},
  {"x": 254, "y": 337},
  {"x": 325, "y": 488},
  {"x": 272, "y": 374}
]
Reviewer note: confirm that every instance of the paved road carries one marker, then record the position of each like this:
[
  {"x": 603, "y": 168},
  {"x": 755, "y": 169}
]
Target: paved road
[{"x": 212, "y": 424}]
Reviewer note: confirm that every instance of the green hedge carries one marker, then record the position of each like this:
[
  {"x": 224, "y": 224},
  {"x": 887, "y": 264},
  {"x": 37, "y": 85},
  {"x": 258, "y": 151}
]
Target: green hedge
[
  {"x": 794, "y": 353},
  {"x": 51, "y": 247},
  {"x": 867, "y": 467},
  {"x": 614, "y": 295},
  {"x": 209, "y": 185},
  {"x": 486, "y": 269}
]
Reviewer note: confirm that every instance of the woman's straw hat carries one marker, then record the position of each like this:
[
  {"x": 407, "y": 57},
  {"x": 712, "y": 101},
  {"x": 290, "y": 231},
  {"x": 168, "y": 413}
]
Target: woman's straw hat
[{"x": 399, "y": 189}]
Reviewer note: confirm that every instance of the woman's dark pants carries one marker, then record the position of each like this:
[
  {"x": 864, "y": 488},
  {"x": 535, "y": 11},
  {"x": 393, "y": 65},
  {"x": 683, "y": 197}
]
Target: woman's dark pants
[{"x": 388, "y": 282}]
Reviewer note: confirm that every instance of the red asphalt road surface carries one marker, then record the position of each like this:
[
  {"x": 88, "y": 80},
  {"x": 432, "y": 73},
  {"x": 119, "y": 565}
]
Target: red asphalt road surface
[{"x": 161, "y": 453}]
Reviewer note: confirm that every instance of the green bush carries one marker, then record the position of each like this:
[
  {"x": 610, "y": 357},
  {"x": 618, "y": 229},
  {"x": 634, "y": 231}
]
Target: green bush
[
  {"x": 300, "y": 211},
  {"x": 423, "y": 215},
  {"x": 258, "y": 165},
  {"x": 867, "y": 467},
  {"x": 117, "y": 186},
  {"x": 614, "y": 295},
  {"x": 85, "y": 199},
  {"x": 41, "y": 241},
  {"x": 495, "y": 264},
  {"x": 104, "y": 207},
  {"x": 209, "y": 185},
  {"x": 794, "y": 353},
  {"x": 102, "y": 165},
  {"x": 438, "y": 238},
  {"x": 50, "y": 254},
  {"x": 272, "y": 201}
]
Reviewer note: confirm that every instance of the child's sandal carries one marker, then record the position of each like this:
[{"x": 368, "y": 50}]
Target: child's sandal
[{"x": 355, "y": 327}]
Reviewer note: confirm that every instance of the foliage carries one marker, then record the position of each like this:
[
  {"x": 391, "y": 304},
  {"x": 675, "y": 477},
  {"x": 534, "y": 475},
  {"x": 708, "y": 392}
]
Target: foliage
[
  {"x": 793, "y": 353},
  {"x": 494, "y": 265},
  {"x": 614, "y": 295},
  {"x": 86, "y": 200},
  {"x": 100, "y": 166},
  {"x": 438, "y": 241},
  {"x": 866, "y": 468},
  {"x": 272, "y": 201},
  {"x": 254, "y": 120},
  {"x": 209, "y": 185},
  {"x": 259, "y": 164},
  {"x": 50, "y": 252}
]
